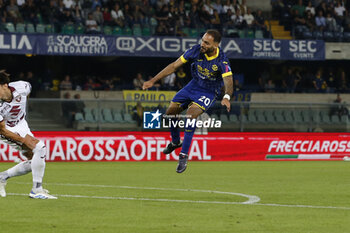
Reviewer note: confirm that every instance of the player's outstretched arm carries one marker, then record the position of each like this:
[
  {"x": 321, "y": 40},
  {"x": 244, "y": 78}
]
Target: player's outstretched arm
[
  {"x": 171, "y": 68},
  {"x": 228, "y": 82}
]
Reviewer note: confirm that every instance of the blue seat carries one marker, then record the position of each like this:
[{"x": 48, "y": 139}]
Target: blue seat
[
  {"x": 317, "y": 35},
  {"x": 328, "y": 36},
  {"x": 79, "y": 117},
  {"x": 346, "y": 36},
  {"x": 299, "y": 30},
  {"x": 307, "y": 35},
  {"x": 338, "y": 36}
]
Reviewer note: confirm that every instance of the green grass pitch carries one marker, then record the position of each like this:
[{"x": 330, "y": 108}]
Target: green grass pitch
[{"x": 307, "y": 196}]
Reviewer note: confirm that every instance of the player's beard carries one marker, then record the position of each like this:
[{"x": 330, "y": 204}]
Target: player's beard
[{"x": 208, "y": 50}]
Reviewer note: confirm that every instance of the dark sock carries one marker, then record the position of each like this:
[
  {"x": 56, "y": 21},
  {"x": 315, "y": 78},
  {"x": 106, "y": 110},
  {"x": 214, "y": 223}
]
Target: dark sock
[
  {"x": 189, "y": 131},
  {"x": 175, "y": 132}
]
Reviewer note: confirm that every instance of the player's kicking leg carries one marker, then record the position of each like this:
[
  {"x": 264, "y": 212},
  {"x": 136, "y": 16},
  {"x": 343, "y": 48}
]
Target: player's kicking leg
[
  {"x": 18, "y": 170},
  {"x": 193, "y": 111},
  {"x": 176, "y": 142},
  {"x": 38, "y": 170},
  {"x": 36, "y": 165}
]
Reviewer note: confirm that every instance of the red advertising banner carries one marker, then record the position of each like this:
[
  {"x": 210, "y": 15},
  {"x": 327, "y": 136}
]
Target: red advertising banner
[{"x": 148, "y": 146}]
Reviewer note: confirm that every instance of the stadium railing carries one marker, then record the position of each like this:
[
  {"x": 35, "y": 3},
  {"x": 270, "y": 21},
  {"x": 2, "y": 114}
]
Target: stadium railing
[{"x": 112, "y": 114}]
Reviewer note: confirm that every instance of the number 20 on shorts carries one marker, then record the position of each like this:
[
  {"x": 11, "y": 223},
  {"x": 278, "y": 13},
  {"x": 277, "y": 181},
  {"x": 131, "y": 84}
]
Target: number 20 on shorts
[{"x": 205, "y": 100}]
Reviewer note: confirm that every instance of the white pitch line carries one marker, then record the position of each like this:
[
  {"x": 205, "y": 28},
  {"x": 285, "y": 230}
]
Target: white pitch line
[
  {"x": 138, "y": 199},
  {"x": 251, "y": 199},
  {"x": 190, "y": 201},
  {"x": 305, "y": 206}
]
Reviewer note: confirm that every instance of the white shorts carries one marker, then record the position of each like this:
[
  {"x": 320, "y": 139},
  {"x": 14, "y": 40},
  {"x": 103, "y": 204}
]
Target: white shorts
[{"x": 21, "y": 129}]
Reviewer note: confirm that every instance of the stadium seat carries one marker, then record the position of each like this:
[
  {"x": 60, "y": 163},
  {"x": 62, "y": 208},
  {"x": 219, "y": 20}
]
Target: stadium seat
[
  {"x": 127, "y": 31},
  {"x": 224, "y": 118},
  {"x": 269, "y": 116},
  {"x": 287, "y": 112},
  {"x": 298, "y": 118},
  {"x": 279, "y": 116},
  {"x": 201, "y": 31},
  {"x": 307, "y": 35},
  {"x": 68, "y": 29},
  {"x": 87, "y": 110},
  {"x": 251, "y": 118},
  {"x": 136, "y": 30},
  {"x": 335, "y": 119},
  {"x": 307, "y": 115},
  {"x": 118, "y": 118},
  {"x": 153, "y": 22},
  {"x": 20, "y": 28},
  {"x": 117, "y": 31},
  {"x": 250, "y": 34},
  {"x": 193, "y": 32},
  {"x": 30, "y": 28},
  {"x": 107, "y": 114},
  {"x": 243, "y": 118},
  {"x": 344, "y": 119},
  {"x": 241, "y": 33},
  {"x": 261, "y": 118},
  {"x": 186, "y": 31},
  {"x": 40, "y": 28},
  {"x": 107, "y": 30},
  {"x": 338, "y": 36},
  {"x": 278, "y": 112},
  {"x": 128, "y": 118},
  {"x": 79, "y": 29},
  {"x": 328, "y": 36},
  {"x": 325, "y": 119},
  {"x": 232, "y": 33},
  {"x": 146, "y": 31},
  {"x": 346, "y": 36},
  {"x": 272, "y": 119},
  {"x": 316, "y": 116},
  {"x": 324, "y": 112},
  {"x": 258, "y": 111},
  {"x": 214, "y": 116},
  {"x": 233, "y": 118},
  {"x": 298, "y": 30},
  {"x": 317, "y": 35},
  {"x": 79, "y": 117},
  {"x": 49, "y": 28},
  {"x": 10, "y": 27},
  {"x": 251, "y": 113},
  {"x": 89, "y": 118},
  {"x": 259, "y": 34},
  {"x": 98, "y": 115},
  {"x": 289, "y": 118}
]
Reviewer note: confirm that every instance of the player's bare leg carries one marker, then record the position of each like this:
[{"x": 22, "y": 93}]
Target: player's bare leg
[
  {"x": 173, "y": 110},
  {"x": 193, "y": 112}
]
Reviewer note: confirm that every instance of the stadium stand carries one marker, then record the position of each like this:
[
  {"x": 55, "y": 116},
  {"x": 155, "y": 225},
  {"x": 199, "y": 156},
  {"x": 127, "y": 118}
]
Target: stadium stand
[
  {"x": 322, "y": 20},
  {"x": 139, "y": 18}
]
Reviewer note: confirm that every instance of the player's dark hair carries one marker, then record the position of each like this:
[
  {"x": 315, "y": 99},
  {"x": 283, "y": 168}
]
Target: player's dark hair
[
  {"x": 215, "y": 34},
  {"x": 4, "y": 77}
]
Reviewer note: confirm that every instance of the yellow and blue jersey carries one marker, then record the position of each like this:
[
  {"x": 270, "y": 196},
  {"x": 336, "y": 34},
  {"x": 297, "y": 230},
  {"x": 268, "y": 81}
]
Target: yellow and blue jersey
[
  {"x": 207, "y": 78},
  {"x": 208, "y": 72}
]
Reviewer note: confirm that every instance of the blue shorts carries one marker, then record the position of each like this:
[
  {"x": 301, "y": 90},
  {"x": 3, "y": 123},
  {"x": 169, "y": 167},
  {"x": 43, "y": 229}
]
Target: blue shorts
[{"x": 193, "y": 93}]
